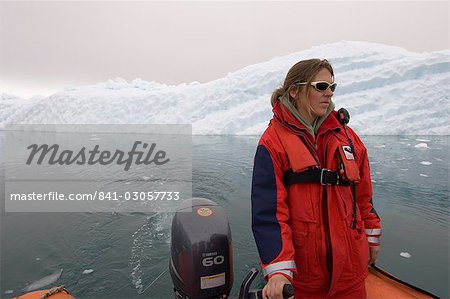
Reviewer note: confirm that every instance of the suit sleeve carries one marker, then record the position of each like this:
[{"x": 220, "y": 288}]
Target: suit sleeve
[
  {"x": 270, "y": 214},
  {"x": 372, "y": 222}
]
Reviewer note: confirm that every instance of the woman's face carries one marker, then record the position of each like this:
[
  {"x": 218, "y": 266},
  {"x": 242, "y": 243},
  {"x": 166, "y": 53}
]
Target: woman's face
[{"x": 318, "y": 100}]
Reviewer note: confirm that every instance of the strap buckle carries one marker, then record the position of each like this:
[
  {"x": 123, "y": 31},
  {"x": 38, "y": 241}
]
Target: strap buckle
[
  {"x": 329, "y": 177},
  {"x": 321, "y": 177}
]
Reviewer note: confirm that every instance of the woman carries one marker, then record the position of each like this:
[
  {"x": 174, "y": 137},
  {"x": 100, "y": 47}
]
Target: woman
[{"x": 312, "y": 213}]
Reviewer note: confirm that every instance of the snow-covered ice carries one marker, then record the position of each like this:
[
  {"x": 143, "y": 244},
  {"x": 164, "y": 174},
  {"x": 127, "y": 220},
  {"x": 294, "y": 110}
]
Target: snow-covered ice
[
  {"x": 44, "y": 281},
  {"x": 387, "y": 90},
  {"x": 405, "y": 254},
  {"x": 421, "y": 145},
  {"x": 88, "y": 271}
]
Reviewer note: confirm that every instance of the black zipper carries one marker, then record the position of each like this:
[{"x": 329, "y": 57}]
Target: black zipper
[
  {"x": 326, "y": 223},
  {"x": 328, "y": 248}
]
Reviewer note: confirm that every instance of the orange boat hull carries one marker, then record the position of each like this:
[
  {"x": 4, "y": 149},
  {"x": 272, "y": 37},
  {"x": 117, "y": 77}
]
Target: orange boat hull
[
  {"x": 38, "y": 294},
  {"x": 380, "y": 286}
]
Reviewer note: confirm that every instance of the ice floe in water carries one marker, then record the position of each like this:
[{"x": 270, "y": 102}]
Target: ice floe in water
[
  {"x": 405, "y": 254},
  {"x": 421, "y": 145},
  {"x": 88, "y": 271},
  {"x": 426, "y": 163},
  {"x": 49, "y": 279}
]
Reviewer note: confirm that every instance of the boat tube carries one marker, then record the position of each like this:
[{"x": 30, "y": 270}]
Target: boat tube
[
  {"x": 381, "y": 284},
  {"x": 201, "y": 262},
  {"x": 53, "y": 293}
]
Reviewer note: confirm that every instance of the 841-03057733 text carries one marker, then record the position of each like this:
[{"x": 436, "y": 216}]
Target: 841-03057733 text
[
  {"x": 140, "y": 195},
  {"x": 99, "y": 195}
]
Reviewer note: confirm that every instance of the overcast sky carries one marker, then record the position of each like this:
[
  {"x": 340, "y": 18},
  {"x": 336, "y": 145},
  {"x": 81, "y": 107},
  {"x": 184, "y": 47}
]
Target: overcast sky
[{"x": 46, "y": 46}]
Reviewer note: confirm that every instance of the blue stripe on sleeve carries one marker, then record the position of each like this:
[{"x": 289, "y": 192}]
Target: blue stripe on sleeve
[
  {"x": 373, "y": 208},
  {"x": 266, "y": 228}
]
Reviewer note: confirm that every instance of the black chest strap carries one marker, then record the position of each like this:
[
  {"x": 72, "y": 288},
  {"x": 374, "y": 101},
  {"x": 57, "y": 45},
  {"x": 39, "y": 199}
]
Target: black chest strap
[{"x": 313, "y": 175}]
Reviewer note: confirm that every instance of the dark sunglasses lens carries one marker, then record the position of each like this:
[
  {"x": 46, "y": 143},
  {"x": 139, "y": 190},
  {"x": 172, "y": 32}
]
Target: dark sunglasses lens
[
  {"x": 322, "y": 86},
  {"x": 333, "y": 87}
]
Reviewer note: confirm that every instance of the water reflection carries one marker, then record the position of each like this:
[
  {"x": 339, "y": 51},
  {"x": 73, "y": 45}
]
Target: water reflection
[{"x": 130, "y": 252}]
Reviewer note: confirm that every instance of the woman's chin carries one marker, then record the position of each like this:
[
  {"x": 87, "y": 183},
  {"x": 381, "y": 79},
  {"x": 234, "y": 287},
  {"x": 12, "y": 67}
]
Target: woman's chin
[{"x": 322, "y": 111}]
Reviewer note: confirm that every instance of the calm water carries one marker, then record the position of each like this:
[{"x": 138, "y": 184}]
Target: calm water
[{"x": 129, "y": 253}]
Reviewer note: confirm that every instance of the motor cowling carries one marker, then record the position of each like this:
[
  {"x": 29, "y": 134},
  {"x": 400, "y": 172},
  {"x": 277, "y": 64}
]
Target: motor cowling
[{"x": 201, "y": 264}]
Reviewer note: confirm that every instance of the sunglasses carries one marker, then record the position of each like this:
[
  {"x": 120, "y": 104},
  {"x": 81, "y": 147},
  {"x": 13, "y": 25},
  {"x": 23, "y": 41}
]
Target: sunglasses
[{"x": 321, "y": 85}]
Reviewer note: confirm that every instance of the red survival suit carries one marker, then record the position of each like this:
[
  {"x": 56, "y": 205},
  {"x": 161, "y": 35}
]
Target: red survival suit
[{"x": 318, "y": 234}]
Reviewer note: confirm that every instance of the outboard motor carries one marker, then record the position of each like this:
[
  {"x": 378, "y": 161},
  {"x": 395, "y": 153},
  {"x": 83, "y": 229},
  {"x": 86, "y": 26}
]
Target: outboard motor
[{"x": 201, "y": 263}]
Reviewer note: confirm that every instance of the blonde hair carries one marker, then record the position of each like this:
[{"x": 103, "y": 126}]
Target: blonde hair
[{"x": 302, "y": 71}]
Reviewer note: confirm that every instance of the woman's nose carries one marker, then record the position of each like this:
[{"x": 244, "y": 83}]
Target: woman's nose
[{"x": 328, "y": 92}]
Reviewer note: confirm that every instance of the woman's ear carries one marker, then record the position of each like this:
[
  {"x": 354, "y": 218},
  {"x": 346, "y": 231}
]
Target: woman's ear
[{"x": 293, "y": 91}]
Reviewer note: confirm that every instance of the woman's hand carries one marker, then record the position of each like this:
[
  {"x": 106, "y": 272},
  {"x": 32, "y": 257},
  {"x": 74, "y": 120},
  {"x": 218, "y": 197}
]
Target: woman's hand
[
  {"x": 373, "y": 253},
  {"x": 274, "y": 287}
]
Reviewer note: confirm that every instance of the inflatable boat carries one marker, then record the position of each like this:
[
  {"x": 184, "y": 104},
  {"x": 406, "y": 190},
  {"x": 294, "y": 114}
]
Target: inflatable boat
[
  {"x": 381, "y": 284},
  {"x": 53, "y": 293},
  {"x": 201, "y": 262}
]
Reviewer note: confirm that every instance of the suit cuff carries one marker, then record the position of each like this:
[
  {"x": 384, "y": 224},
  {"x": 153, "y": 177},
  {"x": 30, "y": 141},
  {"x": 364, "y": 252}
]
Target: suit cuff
[
  {"x": 280, "y": 266},
  {"x": 373, "y": 236},
  {"x": 286, "y": 273}
]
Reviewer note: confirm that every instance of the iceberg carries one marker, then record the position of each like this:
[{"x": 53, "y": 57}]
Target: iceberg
[{"x": 387, "y": 90}]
